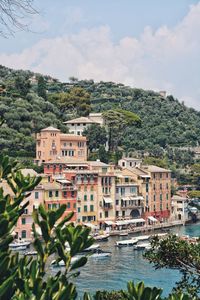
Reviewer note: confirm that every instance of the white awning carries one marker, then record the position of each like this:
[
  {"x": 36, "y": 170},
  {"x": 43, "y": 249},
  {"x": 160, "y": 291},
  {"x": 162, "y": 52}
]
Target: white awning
[
  {"x": 152, "y": 219},
  {"x": 107, "y": 200},
  {"x": 132, "y": 221},
  {"x": 63, "y": 181},
  {"x": 136, "y": 221},
  {"x": 126, "y": 198},
  {"x": 136, "y": 198},
  {"x": 144, "y": 176},
  {"x": 109, "y": 223}
]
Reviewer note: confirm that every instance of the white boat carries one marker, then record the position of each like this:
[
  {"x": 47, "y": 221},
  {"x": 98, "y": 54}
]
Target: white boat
[
  {"x": 142, "y": 246},
  {"x": 61, "y": 263},
  {"x": 101, "y": 237},
  {"x": 19, "y": 243},
  {"x": 160, "y": 235},
  {"x": 143, "y": 237},
  {"x": 100, "y": 254},
  {"x": 130, "y": 242},
  {"x": 92, "y": 248},
  {"x": 123, "y": 233},
  {"x": 31, "y": 253},
  {"x": 19, "y": 248}
]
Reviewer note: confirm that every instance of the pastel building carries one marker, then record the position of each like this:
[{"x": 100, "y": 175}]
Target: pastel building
[
  {"x": 87, "y": 196},
  {"x": 131, "y": 162},
  {"x": 51, "y": 144},
  {"x": 129, "y": 204},
  {"x": 159, "y": 201},
  {"x": 78, "y": 125}
]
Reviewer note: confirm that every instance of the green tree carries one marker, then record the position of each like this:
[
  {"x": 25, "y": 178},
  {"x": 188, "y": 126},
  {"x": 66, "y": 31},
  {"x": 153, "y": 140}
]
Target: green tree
[
  {"x": 41, "y": 87},
  {"x": 96, "y": 136},
  {"x": 175, "y": 253},
  {"x": 103, "y": 154},
  {"x": 76, "y": 101},
  {"x": 22, "y": 85},
  {"x": 117, "y": 121}
]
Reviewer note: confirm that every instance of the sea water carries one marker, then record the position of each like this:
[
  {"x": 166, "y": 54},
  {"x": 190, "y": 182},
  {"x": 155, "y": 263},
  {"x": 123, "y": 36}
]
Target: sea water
[{"x": 114, "y": 272}]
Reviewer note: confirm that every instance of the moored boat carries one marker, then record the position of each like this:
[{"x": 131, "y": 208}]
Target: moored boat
[
  {"x": 101, "y": 237},
  {"x": 100, "y": 254},
  {"x": 92, "y": 248},
  {"x": 142, "y": 246},
  {"x": 130, "y": 242},
  {"x": 19, "y": 243}
]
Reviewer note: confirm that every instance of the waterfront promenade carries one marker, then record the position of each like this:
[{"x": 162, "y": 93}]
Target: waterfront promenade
[{"x": 147, "y": 228}]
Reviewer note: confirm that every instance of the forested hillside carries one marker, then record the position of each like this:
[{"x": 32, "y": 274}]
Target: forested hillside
[{"x": 29, "y": 102}]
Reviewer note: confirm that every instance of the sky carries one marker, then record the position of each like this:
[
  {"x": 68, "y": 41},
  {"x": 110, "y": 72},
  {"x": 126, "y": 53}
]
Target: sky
[{"x": 150, "y": 44}]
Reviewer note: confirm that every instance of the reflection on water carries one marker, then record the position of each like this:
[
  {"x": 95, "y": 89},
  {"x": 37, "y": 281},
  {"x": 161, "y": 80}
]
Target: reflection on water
[{"x": 112, "y": 273}]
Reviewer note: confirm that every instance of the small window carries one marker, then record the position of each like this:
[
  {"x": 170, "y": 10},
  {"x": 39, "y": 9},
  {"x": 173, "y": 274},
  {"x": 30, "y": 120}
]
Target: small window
[
  {"x": 85, "y": 208},
  {"x": 50, "y": 194},
  {"x": 91, "y": 197},
  {"x": 36, "y": 195},
  {"x": 23, "y": 234},
  {"x": 68, "y": 205},
  {"x": 74, "y": 205},
  {"x": 91, "y": 207},
  {"x": 85, "y": 197},
  {"x": 57, "y": 193},
  {"x": 160, "y": 197},
  {"x": 79, "y": 209},
  {"x": 23, "y": 221}
]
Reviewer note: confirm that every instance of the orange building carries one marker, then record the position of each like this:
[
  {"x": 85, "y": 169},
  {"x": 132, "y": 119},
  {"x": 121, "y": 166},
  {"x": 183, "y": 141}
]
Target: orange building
[{"x": 52, "y": 144}]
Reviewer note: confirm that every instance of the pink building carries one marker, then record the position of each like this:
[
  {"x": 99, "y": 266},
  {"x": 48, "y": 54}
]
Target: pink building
[{"x": 52, "y": 144}]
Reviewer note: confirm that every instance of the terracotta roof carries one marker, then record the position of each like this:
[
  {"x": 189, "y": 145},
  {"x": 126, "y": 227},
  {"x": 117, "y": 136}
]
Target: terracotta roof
[
  {"x": 80, "y": 120},
  {"x": 155, "y": 169},
  {"x": 72, "y": 137},
  {"x": 51, "y": 128}
]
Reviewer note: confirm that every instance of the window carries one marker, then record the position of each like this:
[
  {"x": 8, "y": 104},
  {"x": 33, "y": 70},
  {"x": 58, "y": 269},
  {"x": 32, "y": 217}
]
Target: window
[
  {"x": 154, "y": 208},
  {"x": 65, "y": 194},
  {"x": 23, "y": 221},
  {"x": 72, "y": 194},
  {"x": 147, "y": 199},
  {"x": 160, "y": 197},
  {"x": 117, "y": 202},
  {"x": 23, "y": 234},
  {"x": 126, "y": 179},
  {"x": 49, "y": 206},
  {"x": 56, "y": 193},
  {"x": 91, "y": 207},
  {"x": 147, "y": 187},
  {"x": 154, "y": 187},
  {"x": 85, "y": 197},
  {"x": 167, "y": 206},
  {"x": 161, "y": 186},
  {"x": 160, "y": 206},
  {"x": 68, "y": 204},
  {"x": 100, "y": 215},
  {"x": 160, "y": 175},
  {"x": 65, "y": 144},
  {"x": 117, "y": 190},
  {"x": 167, "y": 196},
  {"x": 154, "y": 176},
  {"x": 91, "y": 197},
  {"x": 36, "y": 195},
  {"x": 79, "y": 209},
  {"x": 50, "y": 194},
  {"x": 78, "y": 133},
  {"x": 74, "y": 205},
  {"x": 123, "y": 164},
  {"x": 106, "y": 214},
  {"x": 26, "y": 211},
  {"x": 167, "y": 186},
  {"x": 154, "y": 197},
  {"x": 85, "y": 208}
]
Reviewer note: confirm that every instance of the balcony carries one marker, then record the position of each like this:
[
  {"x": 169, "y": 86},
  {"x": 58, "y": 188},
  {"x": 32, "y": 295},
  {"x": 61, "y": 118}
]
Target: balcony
[{"x": 106, "y": 207}]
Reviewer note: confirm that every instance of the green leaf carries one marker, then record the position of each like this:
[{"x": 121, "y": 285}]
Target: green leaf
[{"x": 79, "y": 263}]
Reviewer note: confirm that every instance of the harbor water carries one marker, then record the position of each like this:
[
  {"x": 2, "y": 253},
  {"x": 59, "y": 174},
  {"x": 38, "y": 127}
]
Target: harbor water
[{"x": 113, "y": 273}]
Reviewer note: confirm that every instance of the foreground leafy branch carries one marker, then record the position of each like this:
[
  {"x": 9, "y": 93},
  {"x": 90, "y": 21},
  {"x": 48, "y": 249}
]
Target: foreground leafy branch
[{"x": 181, "y": 255}]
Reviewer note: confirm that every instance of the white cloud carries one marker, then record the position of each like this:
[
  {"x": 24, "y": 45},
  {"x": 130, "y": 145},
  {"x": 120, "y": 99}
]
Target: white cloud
[{"x": 165, "y": 59}]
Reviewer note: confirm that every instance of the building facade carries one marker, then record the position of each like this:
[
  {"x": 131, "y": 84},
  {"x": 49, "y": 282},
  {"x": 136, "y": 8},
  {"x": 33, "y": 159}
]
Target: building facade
[{"x": 51, "y": 144}]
